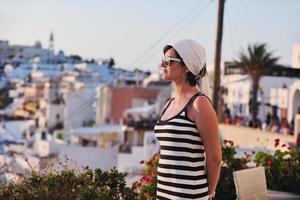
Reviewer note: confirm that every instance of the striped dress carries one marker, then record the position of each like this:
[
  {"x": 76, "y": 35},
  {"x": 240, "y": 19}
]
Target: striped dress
[{"x": 181, "y": 171}]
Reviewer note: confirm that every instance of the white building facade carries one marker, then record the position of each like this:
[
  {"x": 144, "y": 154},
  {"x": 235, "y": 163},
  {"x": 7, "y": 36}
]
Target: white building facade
[{"x": 239, "y": 93}]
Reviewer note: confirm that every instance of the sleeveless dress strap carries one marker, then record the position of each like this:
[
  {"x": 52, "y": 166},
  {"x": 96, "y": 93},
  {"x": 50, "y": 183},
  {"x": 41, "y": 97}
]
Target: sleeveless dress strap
[
  {"x": 191, "y": 101},
  {"x": 165, "y": 109},
  {"x": 193, "y": 98}
]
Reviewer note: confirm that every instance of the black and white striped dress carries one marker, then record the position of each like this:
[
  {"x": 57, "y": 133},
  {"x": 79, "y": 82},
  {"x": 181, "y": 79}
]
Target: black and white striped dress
[{"x": 181, "y": 171}]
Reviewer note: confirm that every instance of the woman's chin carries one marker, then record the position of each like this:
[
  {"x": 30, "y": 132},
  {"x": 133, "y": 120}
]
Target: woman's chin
[{"x": 165, "y": 77}]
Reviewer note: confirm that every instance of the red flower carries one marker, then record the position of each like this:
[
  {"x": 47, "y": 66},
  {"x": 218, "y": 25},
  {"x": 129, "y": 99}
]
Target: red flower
[
  {"x": 283, "y": 145},
  {"x": 269, "y": 161},
  {"x": 277, "y": 140},
  {"x": 142, "y": 162}
]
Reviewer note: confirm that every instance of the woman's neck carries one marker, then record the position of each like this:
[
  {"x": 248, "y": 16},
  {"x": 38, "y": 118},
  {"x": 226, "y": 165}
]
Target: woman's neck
[{"x": 184, "y": 91}]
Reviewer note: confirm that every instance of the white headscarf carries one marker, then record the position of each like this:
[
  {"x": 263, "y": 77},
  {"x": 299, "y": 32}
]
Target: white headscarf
[{"x": 194, "y": 57}]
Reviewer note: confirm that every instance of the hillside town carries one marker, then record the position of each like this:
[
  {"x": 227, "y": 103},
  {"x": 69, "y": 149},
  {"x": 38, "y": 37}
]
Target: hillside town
[{"x": 59, "y": 110}]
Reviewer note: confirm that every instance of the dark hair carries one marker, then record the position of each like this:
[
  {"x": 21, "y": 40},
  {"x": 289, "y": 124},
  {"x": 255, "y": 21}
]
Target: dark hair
[{"x": 190, "y": 77}]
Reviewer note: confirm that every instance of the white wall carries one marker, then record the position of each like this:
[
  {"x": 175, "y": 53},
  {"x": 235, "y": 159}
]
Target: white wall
[
  {"x": 89, "y": 97},
  {"x": 103, "y": 104},
  {"x": 94, "y": 157},
  {"x": 239, "y": 87},
  {"x": 238, "y": 94},
  {"x": 251, "y": 138},
  {"x": 73, "y": 116},
  {"x": 52, "y": 110},
  {"x": 130, "y": 161},
  {"x": 296, "y": 56}
]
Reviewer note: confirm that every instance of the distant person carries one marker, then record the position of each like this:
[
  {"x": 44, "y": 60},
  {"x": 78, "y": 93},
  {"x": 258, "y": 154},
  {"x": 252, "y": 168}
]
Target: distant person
[
  {"x": 284, "y": 127},
  {"x": 227, "y": 115},
  {"x": 268, "y": 119},
  {"x": 292, "y": 126},
  {"x": 190, "y": 153},
  {"x": 237, "y": 120},
  {"x": 275, "y": 126}
]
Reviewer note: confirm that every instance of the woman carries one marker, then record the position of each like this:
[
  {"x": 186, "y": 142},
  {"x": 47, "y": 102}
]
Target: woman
[{"x": 190, "y": 153}]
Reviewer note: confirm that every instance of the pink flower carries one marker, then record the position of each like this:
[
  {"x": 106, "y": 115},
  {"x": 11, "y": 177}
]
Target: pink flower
[{"x": 148, "y": 179}]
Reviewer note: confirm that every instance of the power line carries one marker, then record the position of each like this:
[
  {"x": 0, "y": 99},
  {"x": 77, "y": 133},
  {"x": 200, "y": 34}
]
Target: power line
[
  {"x": 181, "y": 29},
  {"x": 141, "y": 56},
  {"x": 194, "y": 17}
]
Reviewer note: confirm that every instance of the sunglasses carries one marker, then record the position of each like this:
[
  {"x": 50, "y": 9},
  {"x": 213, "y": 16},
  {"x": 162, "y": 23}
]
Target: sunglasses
[{"x": 167, "y": 61}]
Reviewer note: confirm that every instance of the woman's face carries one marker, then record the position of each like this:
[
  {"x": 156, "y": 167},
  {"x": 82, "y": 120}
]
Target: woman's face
[{"x": 173, "y": 70}]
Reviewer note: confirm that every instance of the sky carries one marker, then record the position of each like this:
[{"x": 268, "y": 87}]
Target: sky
[{"x": 134, "y": 32}]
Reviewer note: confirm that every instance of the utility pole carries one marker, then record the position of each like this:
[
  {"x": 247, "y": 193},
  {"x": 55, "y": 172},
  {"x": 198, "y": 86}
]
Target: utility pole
[{"x": 216, "y": 88}]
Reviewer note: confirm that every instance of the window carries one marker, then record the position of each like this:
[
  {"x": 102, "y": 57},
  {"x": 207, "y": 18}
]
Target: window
[{"x": 44, "y": 136}]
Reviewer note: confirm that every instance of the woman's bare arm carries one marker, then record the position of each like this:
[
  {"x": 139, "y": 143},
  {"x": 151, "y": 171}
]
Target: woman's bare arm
[{"x": 207, "y": 125}]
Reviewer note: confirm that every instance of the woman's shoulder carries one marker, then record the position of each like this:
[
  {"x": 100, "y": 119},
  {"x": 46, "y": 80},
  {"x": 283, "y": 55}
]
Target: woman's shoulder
[
  {"x": 202, "y": 112},
  {"x": 202, "y": 105}
]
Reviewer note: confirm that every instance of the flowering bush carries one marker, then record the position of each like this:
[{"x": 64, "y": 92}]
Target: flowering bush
[
  {"x": 147, "y": 183},
  {"x": 66, "y": 185},
  {"x": 226, "y": 189},
  {"x": 282, "y": 168},
  {"x": 282, "y": 171}
]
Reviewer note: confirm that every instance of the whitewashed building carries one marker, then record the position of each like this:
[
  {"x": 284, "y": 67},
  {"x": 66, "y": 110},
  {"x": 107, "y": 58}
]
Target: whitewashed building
[
  {"x": 238, "y": 93},
  {"x": 276, "y": 91}
]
